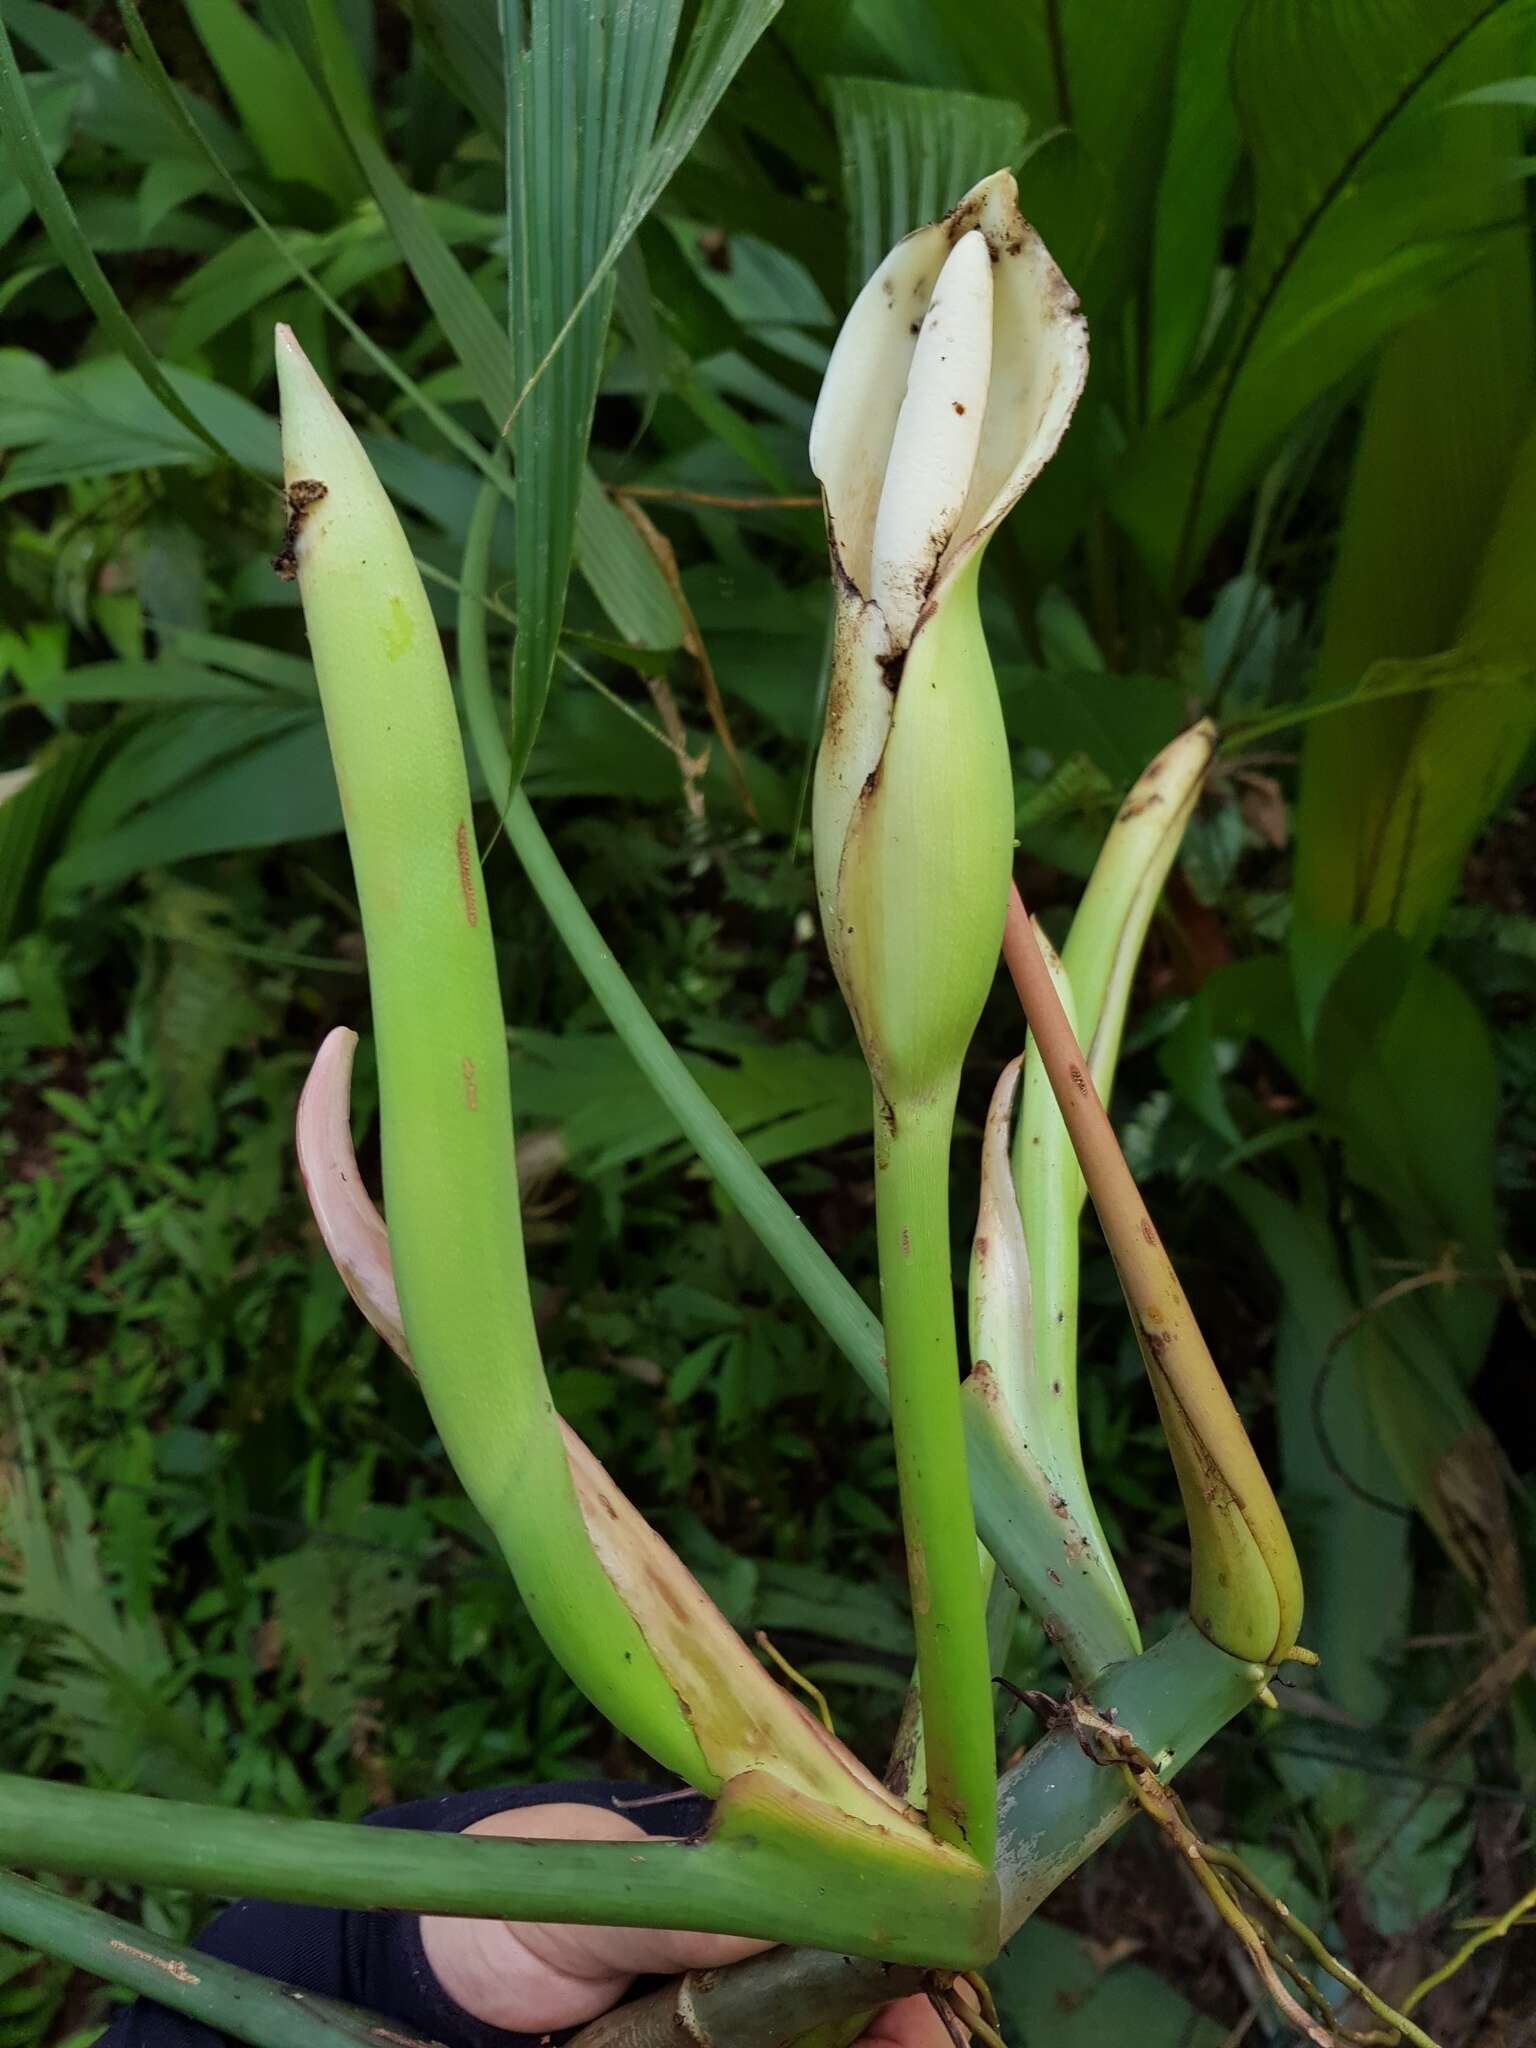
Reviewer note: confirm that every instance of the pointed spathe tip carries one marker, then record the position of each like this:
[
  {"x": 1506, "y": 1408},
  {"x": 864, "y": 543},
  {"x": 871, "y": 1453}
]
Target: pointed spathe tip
[{"x": 318, "y": 441}]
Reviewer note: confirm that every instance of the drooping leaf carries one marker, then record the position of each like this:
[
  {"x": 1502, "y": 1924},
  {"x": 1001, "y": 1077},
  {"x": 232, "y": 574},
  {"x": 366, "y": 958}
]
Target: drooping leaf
[
  {"x": 28, "y": 154},
  {"x": 1354, "y": 229},
  {"x": 114, "y": 105},
  {"x": 278, "y": 106},
  {"x": 104, "y": 417},
  {"x": 462, "y": 42},
  {"x": 1202, "y": 156},
  {"x": 145, "y": 682},
  {"x": 1450, "y": 405},
  {"x": 1466, "y": 742},
  {"x": 275, "y": 787},
  {"x": 1404, "y": 1066}
]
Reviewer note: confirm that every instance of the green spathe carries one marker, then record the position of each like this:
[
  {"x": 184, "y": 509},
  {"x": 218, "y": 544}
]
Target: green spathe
[
  {"x": 450, "y": 1177},
  {"x": 949, "y": 388},
  {"x": 922, "y": 886}
]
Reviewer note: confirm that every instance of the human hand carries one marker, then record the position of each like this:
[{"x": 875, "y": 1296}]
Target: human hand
[{"x": 531, "y": 1977}]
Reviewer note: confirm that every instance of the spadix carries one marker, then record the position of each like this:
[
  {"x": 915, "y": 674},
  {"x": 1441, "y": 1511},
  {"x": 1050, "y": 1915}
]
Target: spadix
[{"x": 938, "y": 433}]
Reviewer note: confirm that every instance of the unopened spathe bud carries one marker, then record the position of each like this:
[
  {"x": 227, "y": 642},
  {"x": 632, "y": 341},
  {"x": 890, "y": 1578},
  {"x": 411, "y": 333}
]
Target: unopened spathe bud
[{"x": 949, "y": 388}]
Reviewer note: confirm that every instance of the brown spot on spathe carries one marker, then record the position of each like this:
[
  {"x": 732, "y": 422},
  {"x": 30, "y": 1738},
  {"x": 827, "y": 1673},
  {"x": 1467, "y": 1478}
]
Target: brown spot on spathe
[
  {"x": 303, "y": 493},
  {"x": 466, "y": 873},
  {"x": 471, "y": 1092},
  {"x": 957, "y": 405}
]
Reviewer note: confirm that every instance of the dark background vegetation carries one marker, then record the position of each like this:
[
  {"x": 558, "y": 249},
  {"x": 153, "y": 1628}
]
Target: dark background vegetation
[{"x": 1299, "y": 492}]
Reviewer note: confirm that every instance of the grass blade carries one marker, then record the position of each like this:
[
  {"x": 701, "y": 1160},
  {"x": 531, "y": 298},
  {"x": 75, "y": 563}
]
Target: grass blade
[
  {"x": 1352, "y": 71},
  {"x": 29, "y": 155},
  {"x": 584, "y": 167}
]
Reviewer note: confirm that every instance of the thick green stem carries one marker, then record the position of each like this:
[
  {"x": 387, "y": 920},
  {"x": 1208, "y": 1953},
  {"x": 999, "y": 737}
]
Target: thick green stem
[
  {"x": 1058, "y": 1806},
  {"x": 1054, "y": 1809},
  {"x": 235, "y": 2002},
  {"x": 749, "y": 1874},
  {"x": 948, "y": 1609}
]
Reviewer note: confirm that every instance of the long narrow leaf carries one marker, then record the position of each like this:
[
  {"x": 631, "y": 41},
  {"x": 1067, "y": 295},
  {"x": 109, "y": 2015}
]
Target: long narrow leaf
[
  {"x": 623, "y": 578},
  {"x": 1351, "y": 236},
  {"x": 588, "y": 154},
  {"x": 29, "y": 156},
  {"x": 158, "y": 77}
]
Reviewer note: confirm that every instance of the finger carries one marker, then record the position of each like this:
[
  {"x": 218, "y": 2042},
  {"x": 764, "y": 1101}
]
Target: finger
[
  {"x": 913, "y": 2023},
  {"x": 532, "y": 1976}
]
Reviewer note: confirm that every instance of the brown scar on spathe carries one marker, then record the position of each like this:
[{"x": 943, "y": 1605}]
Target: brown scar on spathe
[{"x": 303, "y": 492}]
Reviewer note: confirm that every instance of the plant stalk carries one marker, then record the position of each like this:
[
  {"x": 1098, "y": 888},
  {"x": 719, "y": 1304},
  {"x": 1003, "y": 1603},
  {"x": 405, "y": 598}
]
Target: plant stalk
[
  {"x": 1246, "y": 1590},
  {"x": 1055, "y": 1808},
  {"x": 235, "y": 2002},
  {"x": 746, "y": 1875},
  {"x": 948, "y": 1612}
]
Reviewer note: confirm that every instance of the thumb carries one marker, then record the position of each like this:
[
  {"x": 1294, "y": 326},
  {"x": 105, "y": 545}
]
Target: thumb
[{"x": 532, "y": 1976}]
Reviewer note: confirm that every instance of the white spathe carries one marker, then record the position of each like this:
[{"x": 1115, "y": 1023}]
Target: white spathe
[
  {"x": 948, "y": 389},
  {"x": 1036, "y": 363}
]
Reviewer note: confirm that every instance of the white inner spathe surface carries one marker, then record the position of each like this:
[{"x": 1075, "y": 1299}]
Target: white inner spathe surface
[{"x": 932, "y": 459}]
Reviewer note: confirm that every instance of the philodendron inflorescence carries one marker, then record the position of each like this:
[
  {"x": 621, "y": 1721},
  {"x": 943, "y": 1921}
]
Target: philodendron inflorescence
[{"x": 950, "y": 386}]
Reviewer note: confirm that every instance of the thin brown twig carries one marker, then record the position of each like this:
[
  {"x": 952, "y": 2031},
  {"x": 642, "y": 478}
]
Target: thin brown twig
[
  {"x": 1112, "y": 1745},
  {"x": 661, "y": 552},
  {"x": 690, "y": 766},
  {"x": 719, "y": 501},
  {"x": 1485, "y": 1692},
  {"x": 1226, "y": 1859}
]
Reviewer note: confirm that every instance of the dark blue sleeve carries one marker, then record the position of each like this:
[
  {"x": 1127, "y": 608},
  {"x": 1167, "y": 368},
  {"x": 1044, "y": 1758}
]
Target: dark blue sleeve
[{"x": 376, "y": 1960}]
